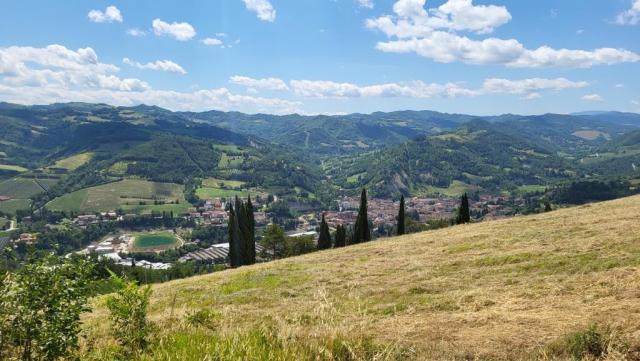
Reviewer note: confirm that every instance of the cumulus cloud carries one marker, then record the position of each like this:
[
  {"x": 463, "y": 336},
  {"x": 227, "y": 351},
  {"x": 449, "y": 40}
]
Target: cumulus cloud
[
  {"x": 368, "y": 4},
  {"x": 255, "y": 84},
  {"x": 212, "y": 41},
  {"x": 54, "y": 73},
  {"x": 420, "y": 89},
  {"x": 161, "y": 65},
  {"x": 434, "y": 34},
  {"x": 262, "y": 8},
  {"x": 109, "y": 15},
  {"x": 179, "y": 31},
  {"x": 631, "y": 16},
  {"x": 593, "y": 98}
]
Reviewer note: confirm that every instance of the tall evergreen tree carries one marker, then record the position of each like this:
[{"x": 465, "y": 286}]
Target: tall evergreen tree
[
  {"x": 361, "y": 231},
  {"x": 400, "y": 227},
  {"x": 324, "y": 240},
  {"x": 340, "y": 236},
  {"x": 251, "y": 239},
  {"x": 464, "y": 215},
  {"x": 241, "y": 218},
  {"x": 234, "y": 239}
]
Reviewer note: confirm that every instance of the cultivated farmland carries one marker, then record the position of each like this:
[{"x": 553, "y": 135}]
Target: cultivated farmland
[{"x": 134, "y": 195}]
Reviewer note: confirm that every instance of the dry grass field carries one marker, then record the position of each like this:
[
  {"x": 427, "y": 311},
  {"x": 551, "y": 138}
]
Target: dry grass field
[{"x": 513, "y": 289}]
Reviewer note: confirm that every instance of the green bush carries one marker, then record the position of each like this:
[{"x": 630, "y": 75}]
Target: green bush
[
  {"x": 589, "y": 342},
  {"x": 40, "y": 308},
  {"x": 128, "y": 314}
]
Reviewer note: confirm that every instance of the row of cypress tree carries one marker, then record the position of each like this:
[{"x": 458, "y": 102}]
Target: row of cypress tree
[
  {"x": 242, "y": 246},
  {"x": 242, "y": 237},
  {"x": 361, "y": 232}
]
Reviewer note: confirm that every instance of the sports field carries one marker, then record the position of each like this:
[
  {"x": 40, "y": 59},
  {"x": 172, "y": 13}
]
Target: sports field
[
  {"x": 132, "y": 195},
  {"x": 154, "y": 242}
]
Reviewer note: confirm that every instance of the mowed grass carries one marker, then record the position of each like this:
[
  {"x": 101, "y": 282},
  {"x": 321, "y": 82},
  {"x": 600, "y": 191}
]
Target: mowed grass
[
  {"x": 126, "y": 194},
  {"x": 499, "y": 290},
  {"x": 74, "y": 162}
]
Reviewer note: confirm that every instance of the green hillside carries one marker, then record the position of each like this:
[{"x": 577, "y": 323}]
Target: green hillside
[
  {"x": 131, "y": 195},
  {"x": 516, "y": 289}
]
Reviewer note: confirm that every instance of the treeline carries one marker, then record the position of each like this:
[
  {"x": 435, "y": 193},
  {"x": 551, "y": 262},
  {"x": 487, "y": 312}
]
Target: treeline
[{"x": 592, "y": 191}]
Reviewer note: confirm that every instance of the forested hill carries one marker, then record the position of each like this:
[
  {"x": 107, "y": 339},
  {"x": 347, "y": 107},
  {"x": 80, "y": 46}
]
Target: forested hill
[
  {"x": 479, "y": 153},
  {"x": 408, "y": 152}
]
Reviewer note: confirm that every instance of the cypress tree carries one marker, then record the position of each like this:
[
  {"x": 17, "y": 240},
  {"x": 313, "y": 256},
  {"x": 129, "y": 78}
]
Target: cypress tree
[
  {"x": 324, "y": 240},
  {"x": 251, "y": 239},
  {"x": 340, "y": 236},
  {"x": 361, "y": 231},
  {"x": 241, "y": 219},
  {"x": 400, "y": 227},
  {"x": 464, "y": 215},
  {"x": 234, "y": 239}
]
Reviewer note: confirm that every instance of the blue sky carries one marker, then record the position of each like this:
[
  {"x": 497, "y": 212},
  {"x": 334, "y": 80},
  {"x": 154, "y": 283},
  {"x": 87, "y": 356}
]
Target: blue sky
[{"x": 325, "y": 56}]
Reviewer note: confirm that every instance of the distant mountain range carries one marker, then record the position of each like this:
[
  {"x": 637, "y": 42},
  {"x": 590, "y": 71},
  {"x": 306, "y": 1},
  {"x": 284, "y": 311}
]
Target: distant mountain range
[{"x": 409, "y": 152}]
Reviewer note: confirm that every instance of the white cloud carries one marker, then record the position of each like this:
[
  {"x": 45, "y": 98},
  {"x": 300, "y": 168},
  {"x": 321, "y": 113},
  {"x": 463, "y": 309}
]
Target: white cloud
[
  {"x": 631, "y": 16},
  {"x": 414, "y": 89},
  {"x": 592, "y": 98},
  {"x": 432, "y": 34},
  {"x": 530, "y": 85},
  {"x": 179, "y": 31},
  {"x": 56, "y": 74},
  {"x": 110, "y": 14},
  {"x": 255, "y": 84},
  {"x": 211, "y": 41},
  {"x": 419, "y": 89},
  {"x": 532, "y": 96},
  {"x": 262, "y": 8},
  {"x": 136, "y": 32},
  {"x": 368, "y": 4},
  {"x": 161, "y": 65},
  {"x": 619, "y": 86},
  {"x": 635, "y": 102}
]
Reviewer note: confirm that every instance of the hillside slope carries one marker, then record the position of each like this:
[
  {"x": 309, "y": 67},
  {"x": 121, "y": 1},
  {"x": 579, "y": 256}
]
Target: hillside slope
[{"x": 495, "y": 290}]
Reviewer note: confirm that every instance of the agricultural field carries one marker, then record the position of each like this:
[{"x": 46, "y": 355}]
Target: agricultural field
[
  {"x": 535, "y": 287},
  {"x": 14, "y": 168},
  {"x": 13, "y": 205},
  {"x": 455, "y": 189},
  {"x": 154, "y": 242},
  {"x": 209, "y": 193},
  {"x": 132, "y": 195},
  {"x": 19, "y": 190},
  {"x": 73, "y": 162},
  {"x": 221, "y": 183}
]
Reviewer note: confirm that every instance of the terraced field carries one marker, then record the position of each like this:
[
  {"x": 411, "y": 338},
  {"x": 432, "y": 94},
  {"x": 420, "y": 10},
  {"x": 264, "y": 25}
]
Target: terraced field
[{"x": 133, "y": 195}]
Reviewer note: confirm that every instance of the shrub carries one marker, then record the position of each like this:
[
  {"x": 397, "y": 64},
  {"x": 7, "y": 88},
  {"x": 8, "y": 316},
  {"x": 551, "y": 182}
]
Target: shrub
[
  {"x": 40, "y": 309},
  {"x": 128, "y": 314},
  {"x": 203, "y": 318}
]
